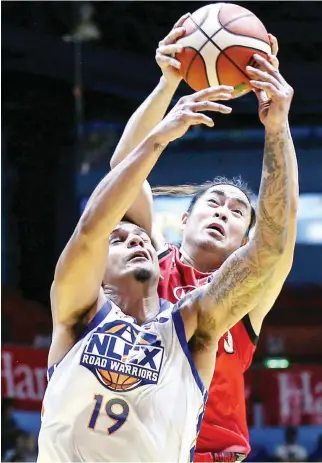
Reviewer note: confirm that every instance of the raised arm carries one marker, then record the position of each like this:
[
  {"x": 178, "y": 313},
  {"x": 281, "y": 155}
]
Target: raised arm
[
  {"x": 81, "y": 266},
  {"x": 145, "y": 118},
  {"x": 241, "y": 282},
  {"x": 280, "y": 274},
  {"x": 277, "y": 280}
]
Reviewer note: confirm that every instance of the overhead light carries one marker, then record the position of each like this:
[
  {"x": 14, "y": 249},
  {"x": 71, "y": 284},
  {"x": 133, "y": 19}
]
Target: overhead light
[
  {"x": 276, "y": 363},
  {"x": 86, "y": 29}
]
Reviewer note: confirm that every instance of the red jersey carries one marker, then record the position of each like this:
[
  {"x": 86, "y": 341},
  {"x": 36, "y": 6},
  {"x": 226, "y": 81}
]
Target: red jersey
[{"x": 224, "y": 426}]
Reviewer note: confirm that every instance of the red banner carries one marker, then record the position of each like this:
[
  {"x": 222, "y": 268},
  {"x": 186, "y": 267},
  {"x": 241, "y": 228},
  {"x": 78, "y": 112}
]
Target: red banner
[
  {"x": 23, "y": 375},
  {"x": 289, "y": 397},
  {"x": 292, "y": 396}
]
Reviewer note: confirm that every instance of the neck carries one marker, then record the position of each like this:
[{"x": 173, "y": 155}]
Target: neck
[
  {"x": 138, "y": 300},
  {"x": 203, "y": 261}
]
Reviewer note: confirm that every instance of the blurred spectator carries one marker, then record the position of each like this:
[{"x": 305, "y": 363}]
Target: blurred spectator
[
  {"x": 316, "y": 455},
  {"x": 290, "y": 450},
  {"x": 9, "y": 426},
  {"x": 24, "y": 449},
  {"x": 43, "y": 337}
]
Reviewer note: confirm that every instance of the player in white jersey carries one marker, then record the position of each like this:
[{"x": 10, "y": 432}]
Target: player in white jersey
[
  {"x": 125, "y": 385},
  {"x": 124, "y": 392}
]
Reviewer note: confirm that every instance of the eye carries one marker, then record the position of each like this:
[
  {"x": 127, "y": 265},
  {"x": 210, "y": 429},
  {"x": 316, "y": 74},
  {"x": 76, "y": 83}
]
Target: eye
[
  {"x": 213, "y": 201},
  {"x": 238, "y": 211},
  {"x": 116, "y": 240}
]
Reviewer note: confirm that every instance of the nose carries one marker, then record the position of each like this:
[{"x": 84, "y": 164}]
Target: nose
[
  {"x": 220, "y": 214},
  {"x": 135, "y": 240}
]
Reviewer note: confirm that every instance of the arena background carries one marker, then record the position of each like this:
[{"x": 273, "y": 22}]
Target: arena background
[{"x": 72, "y": 74}]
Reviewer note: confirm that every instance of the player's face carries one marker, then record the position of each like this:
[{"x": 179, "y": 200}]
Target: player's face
[
  {"x": 219, "y": 220},
  {"x": 131, "y": 254}
]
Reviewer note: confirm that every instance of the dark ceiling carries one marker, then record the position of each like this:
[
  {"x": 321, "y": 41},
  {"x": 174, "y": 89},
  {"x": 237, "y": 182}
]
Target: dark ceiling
[
  {"x": 118, "y": 71},
  {"x": 32, "y": 32},
  {"x": 137, "y": 26}
]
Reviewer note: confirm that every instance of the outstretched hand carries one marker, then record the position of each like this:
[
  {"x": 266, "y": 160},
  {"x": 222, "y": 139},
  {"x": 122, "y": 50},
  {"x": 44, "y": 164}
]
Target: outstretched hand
[
  {"x": 188, "y": 112},
  {"x": 166, "y": 51},
  {"x": 274, "y": 94}
]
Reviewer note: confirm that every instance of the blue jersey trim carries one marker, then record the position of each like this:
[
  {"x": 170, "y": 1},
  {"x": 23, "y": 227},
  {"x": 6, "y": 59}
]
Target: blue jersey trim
[
  {"x": 98, "y": 318},
  {"x": 179, "y": 327},
  {"x": 163, "y": 305}
]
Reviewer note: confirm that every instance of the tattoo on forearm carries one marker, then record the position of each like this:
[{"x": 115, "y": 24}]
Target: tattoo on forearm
[
  {"x": 271, "y": 224},
  {"x": 273, "y": 201},
  {"x": 241, "y": 282},
  {"x": 226, "y": 283}
]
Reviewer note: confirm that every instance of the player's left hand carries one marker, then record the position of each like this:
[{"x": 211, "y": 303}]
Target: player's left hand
[
  {"x": 274, "y": 94},
  {"x": 166, "y": 51}
]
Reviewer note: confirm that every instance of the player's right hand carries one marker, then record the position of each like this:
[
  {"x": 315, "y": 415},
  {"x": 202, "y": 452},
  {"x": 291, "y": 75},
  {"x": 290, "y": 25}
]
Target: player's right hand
[
  {"x": 188, "y": 112},
  {"x": 166, "y": 51}
]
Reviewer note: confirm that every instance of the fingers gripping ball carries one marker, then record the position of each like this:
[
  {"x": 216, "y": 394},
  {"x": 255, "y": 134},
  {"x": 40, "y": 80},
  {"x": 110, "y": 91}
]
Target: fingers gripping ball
[{"x": 219, "y": 43}]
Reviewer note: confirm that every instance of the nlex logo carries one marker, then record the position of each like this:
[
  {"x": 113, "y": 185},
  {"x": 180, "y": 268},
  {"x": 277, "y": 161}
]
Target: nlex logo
[{"x": 123, "y": 357}]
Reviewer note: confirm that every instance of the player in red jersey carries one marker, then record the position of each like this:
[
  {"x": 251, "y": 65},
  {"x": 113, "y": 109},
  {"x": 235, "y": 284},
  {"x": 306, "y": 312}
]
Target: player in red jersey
[
  {"x": 224, "y": 433},
  {"x": 224, "y": 428}
]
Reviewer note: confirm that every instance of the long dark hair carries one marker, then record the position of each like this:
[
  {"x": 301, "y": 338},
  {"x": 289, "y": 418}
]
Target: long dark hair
[{"x": 199, "y": 190}]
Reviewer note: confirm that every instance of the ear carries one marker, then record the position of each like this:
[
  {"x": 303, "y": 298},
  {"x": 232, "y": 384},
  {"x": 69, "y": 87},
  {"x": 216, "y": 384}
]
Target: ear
[{"x": 184, "y": 220}]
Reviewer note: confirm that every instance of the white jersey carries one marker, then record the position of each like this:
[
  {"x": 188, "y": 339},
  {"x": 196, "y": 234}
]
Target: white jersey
[{"x": 124, "y": 393}]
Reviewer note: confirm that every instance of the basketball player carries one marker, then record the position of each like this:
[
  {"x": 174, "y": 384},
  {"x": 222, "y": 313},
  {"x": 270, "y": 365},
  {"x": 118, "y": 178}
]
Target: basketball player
[
  {"x": 124, "y": 385},
  {"x": 224, "y": 434}
]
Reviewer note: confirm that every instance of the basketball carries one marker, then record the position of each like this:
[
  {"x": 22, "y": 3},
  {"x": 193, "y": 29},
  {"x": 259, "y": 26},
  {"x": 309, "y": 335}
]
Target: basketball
[
  {"x": 117, "y": 381},
  {"x": 219, "y": 42}
]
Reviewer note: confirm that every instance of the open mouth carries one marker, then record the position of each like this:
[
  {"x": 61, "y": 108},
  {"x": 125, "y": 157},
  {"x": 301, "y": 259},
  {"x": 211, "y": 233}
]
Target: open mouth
[
  {"x": 139, "y": 255},
  {"x": 216, "y": 226}
]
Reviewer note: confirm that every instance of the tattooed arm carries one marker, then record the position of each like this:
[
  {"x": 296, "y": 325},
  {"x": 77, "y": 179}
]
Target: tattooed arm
[
  {"x": 239, "y": 285},
  {"x": 282, "y": 270}
]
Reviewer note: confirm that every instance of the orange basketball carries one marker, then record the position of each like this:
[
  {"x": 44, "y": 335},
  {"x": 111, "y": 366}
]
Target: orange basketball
[
  {"x": 117, "y": 381},
  {"x": 219, "y": 43}
]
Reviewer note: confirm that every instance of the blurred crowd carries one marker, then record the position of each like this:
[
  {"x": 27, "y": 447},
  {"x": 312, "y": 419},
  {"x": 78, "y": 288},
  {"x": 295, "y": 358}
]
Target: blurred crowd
[
  {"x": 289, "y": 451},
  {"x": 16, "y": 443},
  {"x": 20, "y": 445}
]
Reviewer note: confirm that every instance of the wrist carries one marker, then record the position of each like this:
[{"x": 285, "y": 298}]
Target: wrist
[
  {"x": 273, "y": 130},
  {"x": 169, "y": 85},
  {"x": 157, "y": 142}
]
